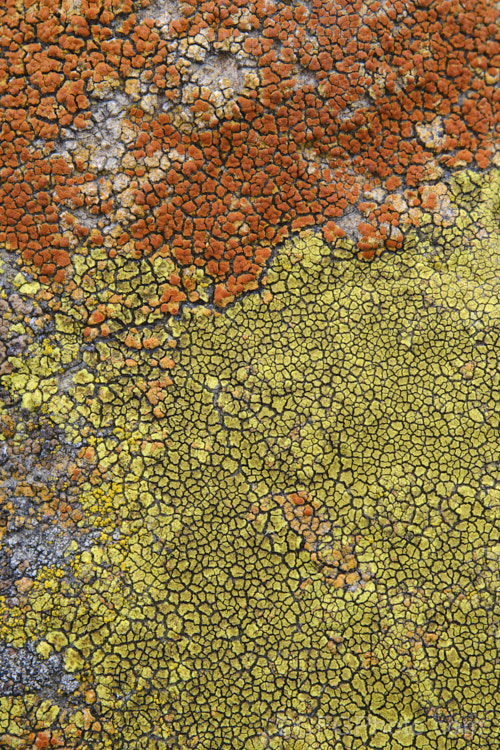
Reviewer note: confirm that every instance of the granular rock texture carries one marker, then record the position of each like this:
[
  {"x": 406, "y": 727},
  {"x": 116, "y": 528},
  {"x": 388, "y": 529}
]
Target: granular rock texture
[{"x": 249, "y": 367}]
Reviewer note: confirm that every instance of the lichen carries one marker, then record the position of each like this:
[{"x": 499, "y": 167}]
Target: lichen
[
  {"x": 208, "y": 609},
  {"x": 249, "y": 374}
]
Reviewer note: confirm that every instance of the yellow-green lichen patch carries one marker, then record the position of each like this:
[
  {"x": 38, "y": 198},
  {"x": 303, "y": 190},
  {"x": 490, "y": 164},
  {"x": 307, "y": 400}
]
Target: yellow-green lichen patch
[{"x": 202, "y": 609}]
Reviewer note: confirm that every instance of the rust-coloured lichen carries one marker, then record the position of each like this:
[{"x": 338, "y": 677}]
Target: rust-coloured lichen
[{"x": 338, "y": 116}]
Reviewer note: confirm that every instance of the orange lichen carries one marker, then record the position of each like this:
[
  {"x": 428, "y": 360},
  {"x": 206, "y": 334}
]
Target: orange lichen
[{"x": 345, "y": 101}]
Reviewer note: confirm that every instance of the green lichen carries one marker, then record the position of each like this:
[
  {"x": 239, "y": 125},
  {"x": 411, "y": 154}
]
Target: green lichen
[{"x": 199, "y": 616}]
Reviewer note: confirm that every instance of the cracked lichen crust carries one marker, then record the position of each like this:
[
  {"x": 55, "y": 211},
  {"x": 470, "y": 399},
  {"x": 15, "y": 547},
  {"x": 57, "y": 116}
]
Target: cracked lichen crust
[
  {"x": 287, "y": 521},
  {"x": 207, "y": 133}
]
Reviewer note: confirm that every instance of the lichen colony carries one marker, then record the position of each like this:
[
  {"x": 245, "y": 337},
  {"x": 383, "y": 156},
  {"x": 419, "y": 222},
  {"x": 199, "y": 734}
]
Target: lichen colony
[{"x": 250, "y": 369}]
